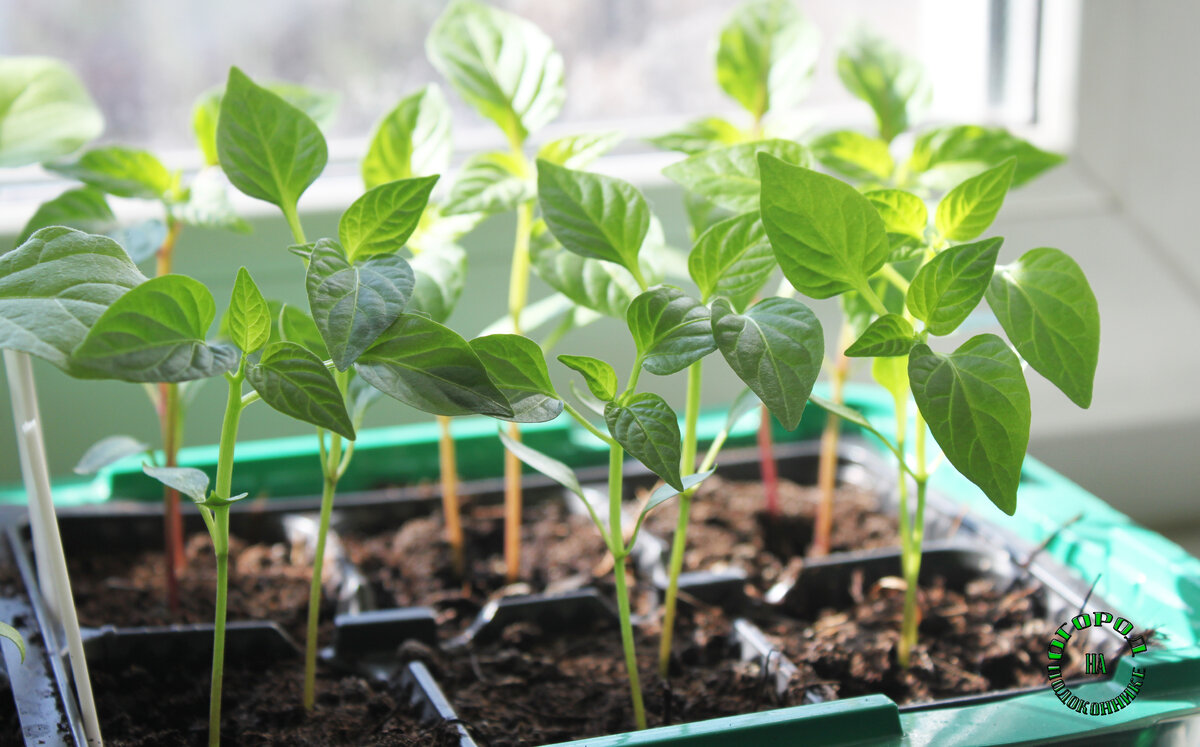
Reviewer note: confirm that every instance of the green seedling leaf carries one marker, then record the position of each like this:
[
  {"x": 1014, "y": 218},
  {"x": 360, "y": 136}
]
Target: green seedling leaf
[
  {"x": 352, "y": 304},
  {"x": 381, "y": 220},
  {"x": 432, "y": 368},
  {"x": 596, "y": 406},
  {"x": 732, "y": 259},
  {"x": 45, "y": 112},
  {"x": 946, "y": 155},
  {"x": 9, "y": 632},
  {"x": 1048, "y": 311},
  {"x": 646, "y": 427},
  {"x": 766, "y": 56},
  {"x": 155, "y": 332},
  {"x": 55, "y": 286},
  {"x": 851, "y": 415},
  {"x": 891, "y": 373},
  {"x": 294, "y": 381},
  {"x": 827, "y": 237},
  {"x": 412, "y": 140},
  {"x": 269, "y": 149},
  {"x": 579, "y": 151},
  {"x": 119, "y": 171},
  {"x": 297, "y": 326},
  {"x": 208, "y": 205},
  {"x": 603, "y": 287},
  {"x": 886, "y": 336},
  {"x": 187, "y": 480},
  {"x": 595, "y": 216},
  {"x": 671, "y": 329},
  {"x": 855, "y": 155},
  {"x": 894, "y": 85},
  {"x": 600, "y": 377},
  {"x": 977, "y": 406},
  {"x": 700, "y": 135},
  {"x": 967, "y": 210},
  {"x": 729, "y": 176},
  {"x": 949, "y": 287},
  {"x": 556, "y": 471},
  {"x": 83, "y": 208},
  {"x": 489, "y": 183},
  {"x": 502, "y": 65},
  {"x": 902, "y": 212},
  {"x": 776, "y": 348},
  {"x": 439, "y": 278},
  {"x": 248, "y": 320},
  {"x": 108, "y": 451},
  {"x": 665, "y": 493},
  {"x": 320, "y": 106},
  {"x": 517, "y": 367}
]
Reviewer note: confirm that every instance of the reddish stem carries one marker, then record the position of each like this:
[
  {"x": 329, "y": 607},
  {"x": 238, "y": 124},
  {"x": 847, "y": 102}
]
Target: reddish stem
[
  {"x": 770, "y": 472},
  {"x": 169, "y": 419}
]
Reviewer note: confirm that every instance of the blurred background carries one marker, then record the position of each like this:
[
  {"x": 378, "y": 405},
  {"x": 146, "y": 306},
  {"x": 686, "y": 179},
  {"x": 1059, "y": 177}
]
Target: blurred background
[{"x": 1111, "y": 83}]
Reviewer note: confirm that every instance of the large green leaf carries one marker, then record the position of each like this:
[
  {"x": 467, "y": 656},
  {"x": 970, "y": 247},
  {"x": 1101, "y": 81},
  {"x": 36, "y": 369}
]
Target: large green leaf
[
  {"x": 45, "y": 112},
  {"x": 967, "y": 210},
  {"x": 320, "y": 106},
  {"x": 269, "y": 149},
  {"x": 893, "y": 84},
  {"x": 1048, "y": 311},
  {"x": 489, "y": 183},
  {"x": 600, "y": 377},
  {"x": 593, "y": 215},
  {"x": 413, "y": 139},
  {"x": 948, "y": 288},
  {"x": 671, "y": 329},
  {"x": 155, "y": 332},
  {"x": 53, "y": 288},
  {"x": 942, "y": 153},
  {"x": 700, "y": 135},
  {"x": 827, "y": 237},
  {"x": 902, "y": 212},
  {"x": 248, "y": 319},
  {"x": 501, "y": 64},
  {"x": 732, "y": 259},
  {"x": 119, "y": 171},
  {"x": 766, "y": 56},
  {"x": 432, "y": 368},
  {"x": 855, "y": 155},
  {"x": 207, "y": 204},
  {"x": 776, "y": 348},
  {"x": 439, "y": 277},
  {"x": 579, "y": 151},
  {"x": 646, "y": 427},
  {"x": 888, "y": 335},
  {"x": 977, "y": 406},
  {"x": 381, "y": 220},
  {"x": 518, "y": 368},
  {"x": 729, "y": 176},
  {"x": 353, "y": 304},
  {"x": 295, "y": 382}
]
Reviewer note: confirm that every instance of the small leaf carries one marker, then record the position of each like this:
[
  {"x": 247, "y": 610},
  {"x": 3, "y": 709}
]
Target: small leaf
[
  {"x": 855, "y": 155},
  {"x": 11, "y": 633},
  {"x": 489, "y": 183},
  {"x": 439, "y": 278},
  {"x": 353, "y": 304},
  {"x": 579, "y": 151},
  {"x": 664, "y": 493},
  {"x": 827, "y": 237},
  {"x": 187, "y": 480},
  {"x": 83, "y": 208},
  {"x": 517, "y": 367},
  {"x": 944, "y": 152},
  {"x": 108, "y": 451},
  {"x": 295, "y": 382},
  {"x": 298, "y": 327},
  {"x": 155, "y": 332},
  {"x": 432, "y": 368},
  {"x": 381, "y": 220},
  {"x": 413, "y": 139},
  {"x": 700, "y": 135},
  {"x": 776, "y": 348},
  {"x": 729, "y": 176},
  {"x": 119, "y": 171},
  {"x": 548, "y": 466},
  {"x": 45, "y": 112},
  {"x": 208, "y": 205},
  {"x": 269, "y": 149},
  {"x": 501, "y": 64},
  {"x": 732, "y": 259},
  {"x": 902, "y": 212},
  {"x": 894, "y": 85},
  {"x": 968, "y": 209},
  {"x": 1048, "y": 311},
  {"x": 977, "y": 406},
  {"x": 886, "y": 336},
  {"x": 248, "y": 319},
  {"x": 646, "y": 427},
  {"x": 600, "y": 377},
  {"x": 671, "y": 329},
  {"x": 949, "y": 287},
  {"x": 592, "y": 215},
  {"x": 766, "y": 56}
]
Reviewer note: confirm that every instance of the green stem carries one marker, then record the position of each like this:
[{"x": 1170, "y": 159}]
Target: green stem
[
  {"x": 913, "y": 536},
  {"x": 679, "y": 542},
  {"x": 588, "y": 425},
  {"x": 872, "y": 298},
  {"x": 616, "y": 457},
  {"x": 293, "y": 221},
  {"x": 893, "y": 276},
  {"x": 518, "y": 281}
]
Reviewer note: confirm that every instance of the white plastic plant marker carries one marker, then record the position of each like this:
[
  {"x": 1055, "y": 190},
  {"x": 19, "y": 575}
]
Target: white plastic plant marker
[{"x": 47, "y": 543}]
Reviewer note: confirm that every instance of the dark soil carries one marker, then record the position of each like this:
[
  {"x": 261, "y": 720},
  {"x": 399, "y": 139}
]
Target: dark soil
[
  {"x": 729, "y": 528},
  {"x": 169, "y": 705}
]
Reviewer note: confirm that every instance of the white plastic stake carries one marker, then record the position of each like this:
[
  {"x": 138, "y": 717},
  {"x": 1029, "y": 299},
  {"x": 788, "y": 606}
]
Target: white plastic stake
[{"x": 47, "y": 543}]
